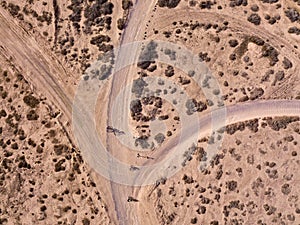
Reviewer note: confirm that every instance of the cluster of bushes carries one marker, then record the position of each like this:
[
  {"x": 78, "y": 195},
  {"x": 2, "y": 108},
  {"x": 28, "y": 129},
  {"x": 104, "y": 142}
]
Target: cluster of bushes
[
  {"x": 243, "y": 47},
  {"x": 193, "y": 106},
  {"x": 294, "y": 30},
  {"x": 59, "y": 165},
  {"x": 32, "y": 115},
  {"x": 168, "y": 3},
  {"x": 56, "y": 17},
  {"x": 206, "y": 4},
  {"x": 13, "y": 9},
  {"x": 99, "y": 8},
  {"x": 256, "y": 93},
  {"x": 280, "y": 122},
  {"x": 278, "y": 77},
  {"x": 45, "y": 17},
  {"x": 203, "y": 57},
  {"x": 232, "y": 128},
  {"x": 135, "y": 108},
  {"x": 240, "y": 126},
  {"x": 235, "y": 3},
  {"x": 169, "y": 72},
  {"x": 271, "y": 53},
  {"x": 292, "y": 14},
  {"x": 94, "y": 12},
  {"x": 272, "y": 20},
  {"x": 23, "y": 163},
  {"x": 75, "y": 17},
  {"x": 100, "y": 41}
]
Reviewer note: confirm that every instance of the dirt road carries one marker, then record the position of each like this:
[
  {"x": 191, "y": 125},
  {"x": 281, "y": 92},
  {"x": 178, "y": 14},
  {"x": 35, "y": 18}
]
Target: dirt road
[
  {"x": 41, "y": 70},
  {"x": 126, "y": 213}
]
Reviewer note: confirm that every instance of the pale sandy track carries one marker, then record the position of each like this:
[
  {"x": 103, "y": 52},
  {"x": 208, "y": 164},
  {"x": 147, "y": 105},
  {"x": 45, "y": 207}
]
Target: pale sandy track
[
  {"x": 42, "y": 71},
  {"x": 126, "y": 213}
]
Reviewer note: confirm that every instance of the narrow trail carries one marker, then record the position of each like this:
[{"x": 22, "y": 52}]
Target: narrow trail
[{"x": 42, "y": 71}]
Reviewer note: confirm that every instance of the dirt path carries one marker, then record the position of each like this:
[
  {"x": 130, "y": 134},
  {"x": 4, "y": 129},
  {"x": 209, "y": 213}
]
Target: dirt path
[{"x": 41, "y": 70}]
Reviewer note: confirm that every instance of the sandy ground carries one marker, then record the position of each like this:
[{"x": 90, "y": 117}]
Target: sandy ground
[{"x": 45, "y": 178}]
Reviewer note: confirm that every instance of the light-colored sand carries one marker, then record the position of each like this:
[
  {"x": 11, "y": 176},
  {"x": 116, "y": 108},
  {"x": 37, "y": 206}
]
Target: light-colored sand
[{"x": 261, "y": 163}]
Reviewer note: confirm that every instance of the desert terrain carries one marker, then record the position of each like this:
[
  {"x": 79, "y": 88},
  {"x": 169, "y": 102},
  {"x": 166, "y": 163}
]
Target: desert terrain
[{"x": 195, "y": 104}]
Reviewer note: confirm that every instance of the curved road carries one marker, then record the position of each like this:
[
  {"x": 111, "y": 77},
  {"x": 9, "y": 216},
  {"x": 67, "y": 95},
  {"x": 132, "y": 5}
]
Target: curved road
[{"x": 126, "y": 214}]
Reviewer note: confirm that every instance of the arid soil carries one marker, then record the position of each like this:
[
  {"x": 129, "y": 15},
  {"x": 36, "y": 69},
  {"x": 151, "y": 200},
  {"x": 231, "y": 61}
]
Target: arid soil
[{"x": 250, "y": 47}]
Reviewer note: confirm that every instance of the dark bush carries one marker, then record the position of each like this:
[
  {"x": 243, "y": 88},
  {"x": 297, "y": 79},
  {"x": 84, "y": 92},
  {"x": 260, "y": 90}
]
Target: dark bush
[
  {"x": 159, "y": 138},
  {"x": 31, "y": 115},
  {"x": 233, "y": 43},
  {"x": 234, "y": 3},
  {"x": 59, "y": 166},
  {"x": 138, "y": 87},
  {"x": 254, "y": 18},
  {"x": 148, "y": 55},
  {"x": 86, "y": 221},
  {"x": 144, "y": 64},
  {"x": 76, "y": 15},
  {"x": 121, "y": 23},
  {"x": 31, "y": 101},
  {"x": 14, "y": 146},
  {"x": 232, "y": 56},
  {"x": 231, "y": 185},
  {"x": 194, "y": 220},
  {"x": 107, "y": 8},
  {"x": 203, "y": 56},
  {"x": 105, "y": 47},
  {"x": 270, "y": 1},
  {"x": 255, "y": 8},
  {"x": 99, "y": 8},
  {"x": 169, "y": 72},
  {"x": 126, "y": 4},
  {"x": 97, "y": 40},
  {"x": 135, "y": 107},
  {"x": 287, "y": 64},
  {"x": 294, "y": 30},
  {"x": 3, "y": 113}
]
